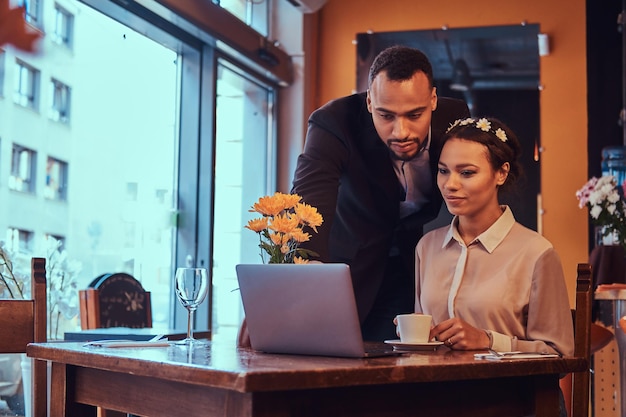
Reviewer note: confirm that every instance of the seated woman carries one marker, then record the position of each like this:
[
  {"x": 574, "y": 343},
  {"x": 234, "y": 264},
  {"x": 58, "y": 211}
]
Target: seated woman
[{"x": 488, "y": 281}]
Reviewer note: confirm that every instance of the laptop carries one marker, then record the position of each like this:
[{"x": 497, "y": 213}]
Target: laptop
[{"x": 306, "y": 309}]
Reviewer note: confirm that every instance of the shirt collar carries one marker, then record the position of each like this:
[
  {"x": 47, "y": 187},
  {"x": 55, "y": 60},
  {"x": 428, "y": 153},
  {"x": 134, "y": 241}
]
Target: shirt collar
[{"x": 490, "y": 238}]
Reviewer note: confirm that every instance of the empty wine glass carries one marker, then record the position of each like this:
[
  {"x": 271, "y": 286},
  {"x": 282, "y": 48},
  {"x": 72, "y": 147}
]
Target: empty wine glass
[{"x": 191, "y": 289}]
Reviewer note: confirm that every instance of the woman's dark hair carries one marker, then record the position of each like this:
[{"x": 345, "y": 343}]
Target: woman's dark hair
[
  {"x": 500, "y": 142},
  {"x": 400, "y": 63}
]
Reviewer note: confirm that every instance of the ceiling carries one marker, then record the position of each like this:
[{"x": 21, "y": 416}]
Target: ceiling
[{"x": 498, "y": 57}]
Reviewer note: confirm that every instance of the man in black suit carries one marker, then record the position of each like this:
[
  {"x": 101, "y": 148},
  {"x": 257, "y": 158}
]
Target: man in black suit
[{"x": 369, "y": 166}]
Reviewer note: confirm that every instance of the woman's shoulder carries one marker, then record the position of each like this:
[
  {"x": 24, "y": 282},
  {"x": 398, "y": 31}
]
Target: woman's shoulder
[{"x": 530, "y": 238}]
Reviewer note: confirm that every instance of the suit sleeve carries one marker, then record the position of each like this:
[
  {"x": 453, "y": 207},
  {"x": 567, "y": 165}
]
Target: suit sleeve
[{"x": 317, "y": 178}]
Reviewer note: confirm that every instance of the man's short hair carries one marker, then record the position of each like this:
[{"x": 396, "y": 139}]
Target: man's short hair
[{"x": 400, "y": 63}]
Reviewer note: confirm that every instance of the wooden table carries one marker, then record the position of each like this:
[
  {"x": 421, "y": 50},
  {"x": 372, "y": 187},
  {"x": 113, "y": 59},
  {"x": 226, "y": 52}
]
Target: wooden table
[{"x": 221, "y": 380}]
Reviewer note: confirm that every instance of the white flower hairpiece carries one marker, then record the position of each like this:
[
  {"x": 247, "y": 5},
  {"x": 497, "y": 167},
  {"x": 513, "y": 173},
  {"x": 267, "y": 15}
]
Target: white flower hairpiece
[{"x": 482, "y": 124}]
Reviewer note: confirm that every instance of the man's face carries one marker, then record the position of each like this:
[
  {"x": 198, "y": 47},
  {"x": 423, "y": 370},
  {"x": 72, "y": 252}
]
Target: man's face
[{"x": 401, "y": 111}]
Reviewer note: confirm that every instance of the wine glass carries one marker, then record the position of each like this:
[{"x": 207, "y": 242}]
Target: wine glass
[{"x": 191, "y": 289}]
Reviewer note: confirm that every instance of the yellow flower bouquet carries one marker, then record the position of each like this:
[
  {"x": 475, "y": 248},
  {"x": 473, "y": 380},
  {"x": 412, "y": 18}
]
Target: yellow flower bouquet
[{"x": 281, "y": 228}]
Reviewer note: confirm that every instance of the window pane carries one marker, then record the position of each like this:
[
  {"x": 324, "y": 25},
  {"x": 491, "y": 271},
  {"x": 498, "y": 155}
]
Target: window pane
[
  {"x": 56, "y": 179},
  {"x": 123, "y": 140},
  {"x": 63, "y": 22},
  {"x": 22, "y": 169},
  {"x": 241, "y": 177},
  {"x": 26, "y": 85},
  {"x": 60, "y": 108},
  {"x": 32, "y": 14}
]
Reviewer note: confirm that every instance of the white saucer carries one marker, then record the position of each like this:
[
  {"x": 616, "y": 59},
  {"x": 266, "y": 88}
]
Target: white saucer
[{"x": 399, "y": 345}]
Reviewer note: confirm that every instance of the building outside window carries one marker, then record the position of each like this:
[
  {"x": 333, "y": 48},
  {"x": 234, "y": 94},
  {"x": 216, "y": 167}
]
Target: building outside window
[
  {"x": 23, "y": 162},
  {"x": 19, "y": 240},
  {"x": 56, "y": 180},
  {"x": 26, "y": 85},
  {"x": 60, "y": 93},
  {"x": 33, "y": 11},
  {"x": 63, "y": 26},
  {"x": 58, "y": 238}
]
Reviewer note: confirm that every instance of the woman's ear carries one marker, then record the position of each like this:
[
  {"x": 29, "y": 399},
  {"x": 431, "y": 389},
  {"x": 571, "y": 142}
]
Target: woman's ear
[{"x": 503, "y": 173}]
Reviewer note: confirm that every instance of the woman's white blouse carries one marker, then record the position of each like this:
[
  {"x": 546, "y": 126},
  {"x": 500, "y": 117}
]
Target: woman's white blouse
[{"x": 508, "y": 281}]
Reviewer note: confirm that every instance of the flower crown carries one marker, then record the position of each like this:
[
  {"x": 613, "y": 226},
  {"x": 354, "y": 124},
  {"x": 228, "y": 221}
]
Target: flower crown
[{"x": 482, "y": 124}]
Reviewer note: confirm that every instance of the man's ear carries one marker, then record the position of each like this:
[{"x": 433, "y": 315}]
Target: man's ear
[
  {"x": 368, "y": 100},
  {"x": 433, "y": 99}
]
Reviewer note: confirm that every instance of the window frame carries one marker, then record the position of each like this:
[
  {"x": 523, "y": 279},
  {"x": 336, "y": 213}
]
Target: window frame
[
  {"x": 26, "y": 92},
  {"x": 17, "y": 152},
  {"x": 60, "y": 103},
  {"x": 32, "y": 11},
  {"x": 63, "y": 30},
  {"x": 60, "y": 194}
]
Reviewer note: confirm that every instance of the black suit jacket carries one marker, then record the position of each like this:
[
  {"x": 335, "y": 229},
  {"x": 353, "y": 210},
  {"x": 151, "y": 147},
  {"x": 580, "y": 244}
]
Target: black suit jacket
[{"x": 345, "y": 171}]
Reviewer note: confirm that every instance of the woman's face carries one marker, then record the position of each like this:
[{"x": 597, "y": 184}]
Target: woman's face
[{"x": 467, "y": 180}]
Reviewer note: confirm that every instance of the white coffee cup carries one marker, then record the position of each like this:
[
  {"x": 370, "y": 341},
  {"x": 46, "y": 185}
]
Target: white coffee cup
[{"x": 414, "y": 328}]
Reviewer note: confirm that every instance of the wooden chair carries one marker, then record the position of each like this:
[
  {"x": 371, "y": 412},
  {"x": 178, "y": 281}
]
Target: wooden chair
[
  {"x": 588, "y": 338},
  {"x": 23, "y": 322},
  {"x": 115, "y": 300}
]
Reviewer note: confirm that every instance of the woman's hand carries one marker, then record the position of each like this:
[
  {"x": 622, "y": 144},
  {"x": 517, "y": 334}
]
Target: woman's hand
[{"x": 459, "y": 335}]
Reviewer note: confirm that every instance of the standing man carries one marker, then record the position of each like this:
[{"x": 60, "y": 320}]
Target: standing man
[{"x": 369, "y": 166}]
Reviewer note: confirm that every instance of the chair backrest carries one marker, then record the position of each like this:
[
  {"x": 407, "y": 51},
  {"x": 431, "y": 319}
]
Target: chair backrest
[
  {"x": 115, "y": 300},
  {"x": 582, "y": 341},
  {"x": 23, "y": 322}
]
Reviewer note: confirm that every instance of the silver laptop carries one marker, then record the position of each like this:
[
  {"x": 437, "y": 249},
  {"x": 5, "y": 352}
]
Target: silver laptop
[{"x": 303, "y": 309}]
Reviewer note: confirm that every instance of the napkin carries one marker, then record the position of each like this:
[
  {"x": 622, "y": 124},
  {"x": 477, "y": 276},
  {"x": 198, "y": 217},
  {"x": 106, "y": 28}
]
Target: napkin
[{"x": 608, "y": 287}]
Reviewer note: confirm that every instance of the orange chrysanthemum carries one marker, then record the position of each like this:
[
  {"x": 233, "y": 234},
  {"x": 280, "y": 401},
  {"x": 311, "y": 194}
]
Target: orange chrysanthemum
[
  {"x": 284, "y": 223},
  {"x": 288, "y": 200},
  {"x": 281, "y": 227},
  {"x": 268, "y": 206},
  {"x": 308, "y": 215},
  {"x": 299, "y": 236},
  {"x": 278, "y": 239},
  {"x": 257, "y": 225}
]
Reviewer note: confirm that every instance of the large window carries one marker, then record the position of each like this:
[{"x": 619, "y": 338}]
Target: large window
[
  {"x": 243, "y": 158},
  {"x": 170, "y": 141}
]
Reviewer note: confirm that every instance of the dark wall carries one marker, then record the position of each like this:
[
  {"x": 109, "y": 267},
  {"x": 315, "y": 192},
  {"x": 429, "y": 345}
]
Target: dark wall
[{"x": 604, "y": 83}]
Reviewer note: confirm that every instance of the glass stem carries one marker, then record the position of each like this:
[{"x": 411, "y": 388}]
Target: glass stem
[{"x": 189, "y": 320}]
